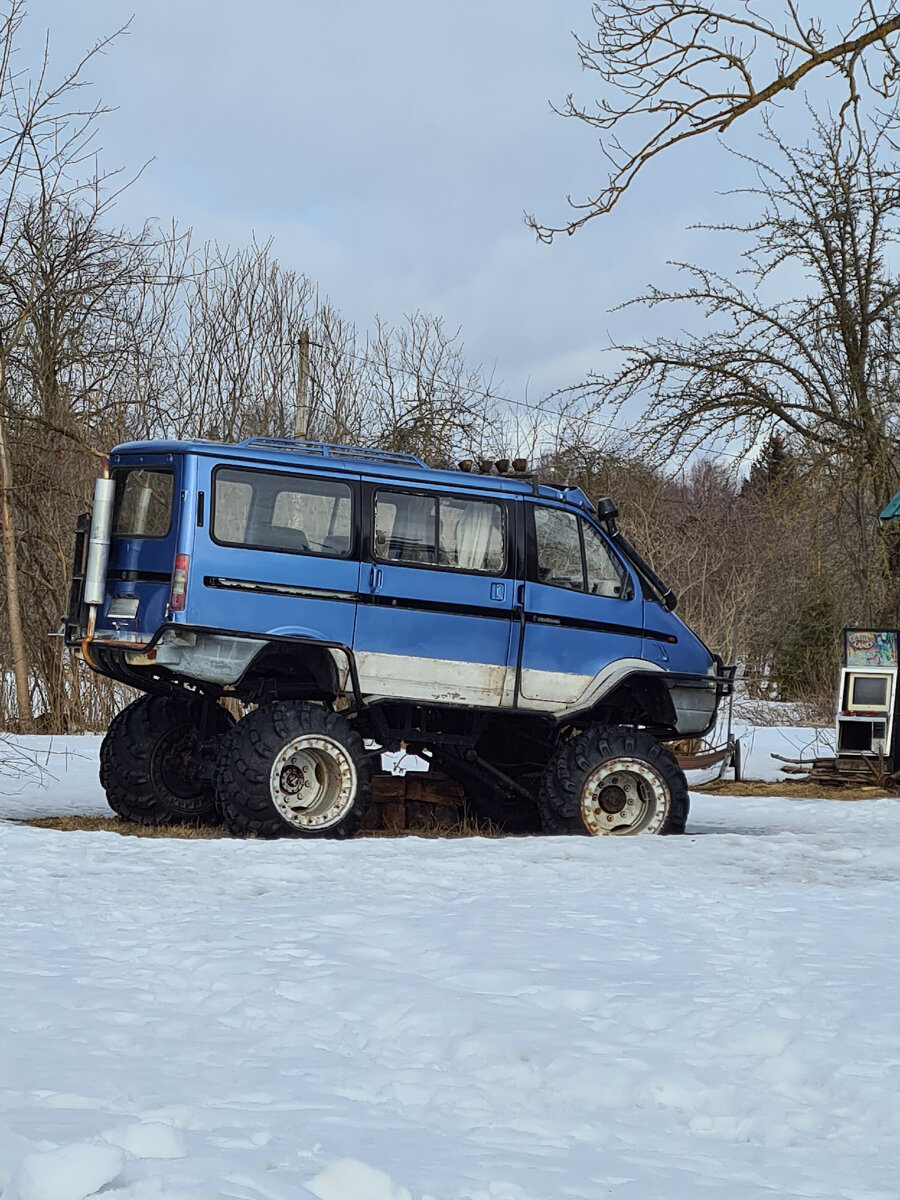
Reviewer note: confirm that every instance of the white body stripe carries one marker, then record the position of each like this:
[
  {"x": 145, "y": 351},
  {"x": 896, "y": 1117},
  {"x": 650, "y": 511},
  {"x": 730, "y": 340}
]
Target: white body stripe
[
  {"x": 443, "y": 680},
  {"x": 448, "y": 681}
]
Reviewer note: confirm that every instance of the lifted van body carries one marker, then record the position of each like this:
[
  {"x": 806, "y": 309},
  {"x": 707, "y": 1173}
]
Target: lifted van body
[{"x": 483, "y": 620}]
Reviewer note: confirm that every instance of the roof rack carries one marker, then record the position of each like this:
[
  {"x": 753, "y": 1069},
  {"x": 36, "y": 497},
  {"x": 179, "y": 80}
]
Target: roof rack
[{"x": 327, "y": 450}]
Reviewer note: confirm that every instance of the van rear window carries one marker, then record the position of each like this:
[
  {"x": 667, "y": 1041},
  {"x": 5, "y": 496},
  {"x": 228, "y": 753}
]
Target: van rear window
[
  {"x": 143, "y": 502},
  {"x": 267, "y": 511}
]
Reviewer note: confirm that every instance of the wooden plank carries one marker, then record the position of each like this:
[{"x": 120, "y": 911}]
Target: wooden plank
[
  {"x": 388, "y": 789},
  {"x": 423, "y": 790},
  {"x": 414, "y": 801}
]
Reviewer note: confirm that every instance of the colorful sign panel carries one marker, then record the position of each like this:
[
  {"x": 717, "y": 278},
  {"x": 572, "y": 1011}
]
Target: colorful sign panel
[{"x": 870, "y": 647}]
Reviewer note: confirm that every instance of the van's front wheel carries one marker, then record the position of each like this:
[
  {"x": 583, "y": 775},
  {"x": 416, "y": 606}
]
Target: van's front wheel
[
  {"x": 613, "y": 781},
  {"x": 293, "y": 770}
]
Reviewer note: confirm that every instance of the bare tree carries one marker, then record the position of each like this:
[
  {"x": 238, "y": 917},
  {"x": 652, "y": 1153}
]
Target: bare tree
[
  {"x": 217, "y": 347},
  {"x": 673, "y": 70},
  {"x": 822, "y": 367},
  {"x": 340, "y": 396},
  {"x": 67, "y": 398},
  {"x": 45, "y": 144},
  {"x": 424, "y": 399}
]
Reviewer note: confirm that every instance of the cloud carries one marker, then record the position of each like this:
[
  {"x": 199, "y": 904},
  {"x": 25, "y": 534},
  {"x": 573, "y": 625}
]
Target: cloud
[{"x": 391, "y": 149}]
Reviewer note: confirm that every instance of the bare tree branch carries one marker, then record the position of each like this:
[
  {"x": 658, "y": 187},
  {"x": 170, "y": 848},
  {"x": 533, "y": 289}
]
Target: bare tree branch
[
  {"x": 673, "y": 70},
  {"x": 821, "y": 369}
]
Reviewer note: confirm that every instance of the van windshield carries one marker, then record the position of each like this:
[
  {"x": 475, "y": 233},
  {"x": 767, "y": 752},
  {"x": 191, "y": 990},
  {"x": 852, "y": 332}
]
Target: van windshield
[{"x": 143, "y": 502}]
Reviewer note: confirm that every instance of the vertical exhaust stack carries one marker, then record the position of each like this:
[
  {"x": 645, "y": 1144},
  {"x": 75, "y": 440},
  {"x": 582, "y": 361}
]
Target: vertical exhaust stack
[{"x": 98, "y": 543}]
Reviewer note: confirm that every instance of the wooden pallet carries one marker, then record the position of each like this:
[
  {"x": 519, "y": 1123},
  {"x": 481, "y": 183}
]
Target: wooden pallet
[{"x": 419, "y": 800}]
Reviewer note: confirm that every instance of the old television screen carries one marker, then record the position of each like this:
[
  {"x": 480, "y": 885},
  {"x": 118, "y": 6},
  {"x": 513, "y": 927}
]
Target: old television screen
[{"x": 868, "y": 693}]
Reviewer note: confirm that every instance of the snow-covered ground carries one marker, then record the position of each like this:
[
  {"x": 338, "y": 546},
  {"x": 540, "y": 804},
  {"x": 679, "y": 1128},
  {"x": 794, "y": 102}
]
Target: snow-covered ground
[
  {"x": 519, "y": 1019},
  {"x": 759, "y": 743},
  {"x": 50, "y": 777}
]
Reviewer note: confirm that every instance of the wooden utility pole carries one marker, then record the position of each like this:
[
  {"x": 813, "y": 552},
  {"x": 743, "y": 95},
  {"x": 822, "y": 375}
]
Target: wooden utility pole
[{"x": 301, "y": 416}]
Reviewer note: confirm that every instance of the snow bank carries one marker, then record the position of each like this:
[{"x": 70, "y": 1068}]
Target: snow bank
[
  {"x": 42, "y": 776},
  {"x": 348, "y": 1179},
  {"x": 70, "y": 1173},
  {"x": 149, "y": 1139},
  {"x": 759, "y": 743}
]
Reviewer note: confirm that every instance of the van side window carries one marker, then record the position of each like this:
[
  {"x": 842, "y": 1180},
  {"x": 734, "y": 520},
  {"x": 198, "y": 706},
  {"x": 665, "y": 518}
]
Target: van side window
[
  {"x": 605, "y": 574},
  {"x": 268, "y": 511},
  {"x": 558, "y": 548},
  {"x": 405, "y": 528},
  {"x": 446, "y": 531},
  {"x": 233, "y": 500},
  {"x": 572, "y": 554},
  {"x": 472, "y": 535}
]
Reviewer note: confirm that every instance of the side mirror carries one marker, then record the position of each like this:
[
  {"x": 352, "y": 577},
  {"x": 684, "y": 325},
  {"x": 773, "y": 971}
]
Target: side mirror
[{"x": 607, "y": 513}]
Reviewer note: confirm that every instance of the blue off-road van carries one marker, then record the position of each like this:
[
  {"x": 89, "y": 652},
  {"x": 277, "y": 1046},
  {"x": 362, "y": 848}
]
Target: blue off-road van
[{"x": 355, "y": 601}]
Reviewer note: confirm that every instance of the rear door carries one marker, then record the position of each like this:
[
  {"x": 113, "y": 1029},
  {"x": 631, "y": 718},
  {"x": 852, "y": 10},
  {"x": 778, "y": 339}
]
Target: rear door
[
  {"x": 143, "y": 544},
  {"x": 436, "y": 596},
  {"x": 583, "y": 609}
]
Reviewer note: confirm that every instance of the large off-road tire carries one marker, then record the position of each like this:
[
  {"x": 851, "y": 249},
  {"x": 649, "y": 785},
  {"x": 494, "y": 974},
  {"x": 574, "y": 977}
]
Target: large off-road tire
[
  {"x": 293, "y": 770},
  {"x": 147, "y": 760},
  {"x": 613, "y": 781}
]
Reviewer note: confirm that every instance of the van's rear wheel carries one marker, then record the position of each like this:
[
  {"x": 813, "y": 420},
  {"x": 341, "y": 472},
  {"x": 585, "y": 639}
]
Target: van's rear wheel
[
  {"x": 293, "y": 770},
  {"x": 149, "y": 760},
  {"x": 613, "y": 781}
]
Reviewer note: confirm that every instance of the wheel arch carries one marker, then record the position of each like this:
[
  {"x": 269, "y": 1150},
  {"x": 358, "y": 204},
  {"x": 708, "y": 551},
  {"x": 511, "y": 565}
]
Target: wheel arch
[
  {"x": 666, "y": 704},
  {"x": 300, "y": 669}
]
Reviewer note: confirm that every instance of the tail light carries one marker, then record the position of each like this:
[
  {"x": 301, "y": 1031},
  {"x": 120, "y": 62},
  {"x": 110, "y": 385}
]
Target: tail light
[{"x": 179, "y": 582}]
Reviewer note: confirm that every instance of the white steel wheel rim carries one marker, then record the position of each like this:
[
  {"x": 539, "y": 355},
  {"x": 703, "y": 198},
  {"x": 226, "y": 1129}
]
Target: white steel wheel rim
[
  {"x": 313, "y": 782},
  {"x": 625, "y": 796}
]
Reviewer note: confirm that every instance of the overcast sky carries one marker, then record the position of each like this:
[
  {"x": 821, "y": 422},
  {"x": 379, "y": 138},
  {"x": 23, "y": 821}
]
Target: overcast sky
[{"x": 390, "y": 149}]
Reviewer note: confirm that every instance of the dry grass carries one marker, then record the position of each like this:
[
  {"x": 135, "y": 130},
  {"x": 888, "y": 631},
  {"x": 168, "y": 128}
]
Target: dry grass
[
  {"x": 464, "y": 827},
  {"x": 796, "y": 789},
  {"x": 126, "y": 828},
  {"x": 459, "y": 829}
]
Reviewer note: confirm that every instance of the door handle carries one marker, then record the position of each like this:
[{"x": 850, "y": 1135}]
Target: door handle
[
  {"x": 520, "y": 596},
  {"x": 498, "y": 591},
  {"x": 376, "y": 579}
]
